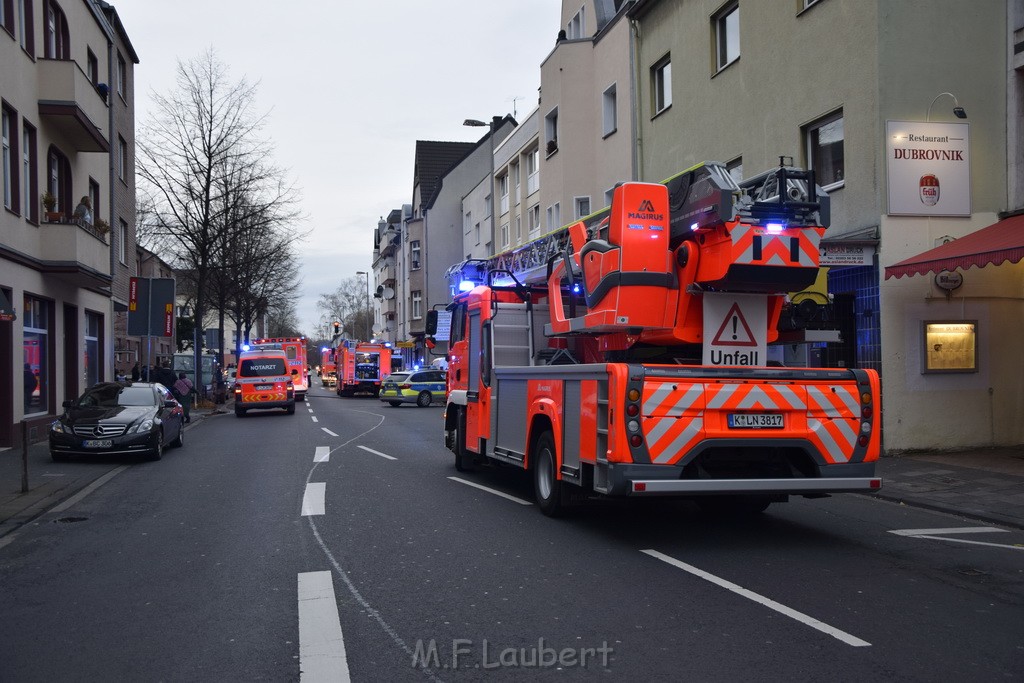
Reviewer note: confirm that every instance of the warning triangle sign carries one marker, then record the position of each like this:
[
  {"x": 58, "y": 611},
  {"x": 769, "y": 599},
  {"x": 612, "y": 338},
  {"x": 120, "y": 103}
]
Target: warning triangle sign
[{"x": 734, "y": 330}]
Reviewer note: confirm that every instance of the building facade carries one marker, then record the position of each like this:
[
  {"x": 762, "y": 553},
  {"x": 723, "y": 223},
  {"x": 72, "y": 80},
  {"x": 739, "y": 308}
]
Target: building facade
[{"x": 63, "y": 67}]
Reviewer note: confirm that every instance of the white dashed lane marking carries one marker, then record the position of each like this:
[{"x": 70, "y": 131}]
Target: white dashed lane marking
[
  {"x": 328, "y": 431},
  {"x": 313, "y": 499},
  {"x": 323, "y": 454},
  {"x": 383, "y": 455},
  {"x": 492, "y": 491},
  {"x": 321, "y": 643}
]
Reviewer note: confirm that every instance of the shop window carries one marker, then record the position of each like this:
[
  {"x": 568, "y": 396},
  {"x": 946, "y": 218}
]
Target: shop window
[{"x": 36, "y": 355}]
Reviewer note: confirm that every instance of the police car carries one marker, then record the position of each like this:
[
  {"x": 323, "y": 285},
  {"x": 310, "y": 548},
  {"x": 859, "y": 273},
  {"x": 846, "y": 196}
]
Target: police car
[{"x": 421, "y": 387}]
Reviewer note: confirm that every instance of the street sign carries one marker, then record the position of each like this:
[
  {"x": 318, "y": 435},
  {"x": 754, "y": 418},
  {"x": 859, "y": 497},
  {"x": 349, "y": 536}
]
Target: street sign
[
  {"x": 736, "y": 329},
  {"x": 153, "y": 312}
]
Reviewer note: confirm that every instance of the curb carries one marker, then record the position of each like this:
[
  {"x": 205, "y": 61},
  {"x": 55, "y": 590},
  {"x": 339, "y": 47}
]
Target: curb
[{"x": 979, "y": 516}]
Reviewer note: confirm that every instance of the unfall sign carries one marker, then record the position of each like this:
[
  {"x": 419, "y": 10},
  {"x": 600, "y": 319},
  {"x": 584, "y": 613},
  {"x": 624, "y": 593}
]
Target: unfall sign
[{"x": 735, "y": 329}]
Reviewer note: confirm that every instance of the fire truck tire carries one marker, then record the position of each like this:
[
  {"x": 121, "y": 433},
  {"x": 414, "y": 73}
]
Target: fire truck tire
[
  {"x": 733, "y": 505},
  {"x": 291, "y": 409},
  {"x": 463, "y": 459},
  {"x": 546, "y": 486},
  {"x": 423, "y": 400}
]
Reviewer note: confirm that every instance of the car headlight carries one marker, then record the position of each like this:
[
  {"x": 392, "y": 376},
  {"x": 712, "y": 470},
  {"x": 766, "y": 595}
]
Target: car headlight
[
  {"x": 143, "y": 426},
  {"x": 59, "y": 428}
]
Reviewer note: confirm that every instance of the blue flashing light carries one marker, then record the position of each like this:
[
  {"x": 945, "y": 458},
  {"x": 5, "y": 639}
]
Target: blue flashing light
[
  {"x": 387, "y": 345},
  {"x": 466, "y": 285},
  {"x": 694, "y": 226},
  {"x": 326, "y": 348},
  {"x": 576, "y": 288},
  {"x": 775, "y": 228},
  {"x": 245, "y": 347}
]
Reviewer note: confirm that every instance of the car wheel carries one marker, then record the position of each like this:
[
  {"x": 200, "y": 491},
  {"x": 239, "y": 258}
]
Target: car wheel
[
  {"x": 463, "y": 459},
  {"x": 546, "y": 486},
  {"x": 394, "y": 404},
  {"x": 180, "y": 440},
  {"x": 424, "y": 399},
  {"x": 158, "y": 452},
  {"x": 239, "y": 411}
]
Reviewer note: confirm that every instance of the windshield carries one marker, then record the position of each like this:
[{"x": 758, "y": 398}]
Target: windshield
[
  {"x": 111, "y": 395},
  {"x": 398, "y": 377},
  {"x": 262, "y": 367}
]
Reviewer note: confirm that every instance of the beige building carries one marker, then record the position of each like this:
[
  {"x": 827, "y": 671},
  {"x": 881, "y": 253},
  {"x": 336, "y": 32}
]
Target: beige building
[
  {"x": 830, "y": 83},
  {"x": 66, "y": 88}
]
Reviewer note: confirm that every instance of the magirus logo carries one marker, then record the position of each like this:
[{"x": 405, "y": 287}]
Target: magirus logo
[{"x": 646, "y": 212}]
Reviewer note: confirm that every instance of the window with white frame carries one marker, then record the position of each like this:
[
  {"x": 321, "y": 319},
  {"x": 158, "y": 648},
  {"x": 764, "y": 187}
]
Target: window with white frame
[
  {"x": 467, "y": 222},
  {"x": 503, "y": 192},
  {"x": 8, "y": 156},
  {"x": 417, "y": 304},
  {"x": 661, "y": 85},
  {"x": 824, "y": 141},
  {"x": 476, "y": 233},
  {"x": 532, "y": 172},
  {"x": 513, "y": 170},
  {"x": 122, "y": 77},
  {"x": 608, "y": 111},
  {"x": 551, "y": 131},
  {"x": 414, "y": 254},
  {"x": 504, "y": 234},
  {"x": 92, "y": 360},
  {"x": 577, "y": 25},
  {"x": 581, "y": 206},
  {"x": 122, "y": 240},
  {"x": 735, "y": 168},
  {"x": 519, "y": 229},
  {"x": 533, "y": 219},
  {"x": 727, "y": 35},
  {"x": 36, "y": 354},
  {"x": 24, "y": 24},
  {"x": 554, "y": 216},
  {"x": 28, "y": 171},
  {"x": 122, "y": 158}
]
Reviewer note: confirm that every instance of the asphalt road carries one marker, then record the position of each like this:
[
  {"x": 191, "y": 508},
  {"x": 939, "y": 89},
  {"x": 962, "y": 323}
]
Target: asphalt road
[{"x": 242, "y": 557}]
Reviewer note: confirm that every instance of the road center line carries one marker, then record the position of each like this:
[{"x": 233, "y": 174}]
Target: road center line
[
  {"x": 383, "y": 455},
  {"x": 767, "y": 602},
  {"x": 313, "y": 418},
  {"x": 323, "y": 454},
  {"x": 497, "y": 493},
  {"x": 313, "y": 499},
  {"x": 328, "y": 431},
  {"x": 321, "y": 643}
]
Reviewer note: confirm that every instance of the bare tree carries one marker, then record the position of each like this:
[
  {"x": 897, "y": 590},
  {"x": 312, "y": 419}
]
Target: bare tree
[{"x": 347, "y": 304}]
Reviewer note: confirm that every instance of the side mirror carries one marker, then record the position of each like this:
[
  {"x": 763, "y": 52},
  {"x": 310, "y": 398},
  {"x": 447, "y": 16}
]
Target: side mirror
[
  {"x": 170, "y": 404},
  {"x": 431, "y": 325}
]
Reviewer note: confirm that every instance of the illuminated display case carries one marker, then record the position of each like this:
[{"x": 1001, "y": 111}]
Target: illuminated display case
[{"x": 949, "y": 346}]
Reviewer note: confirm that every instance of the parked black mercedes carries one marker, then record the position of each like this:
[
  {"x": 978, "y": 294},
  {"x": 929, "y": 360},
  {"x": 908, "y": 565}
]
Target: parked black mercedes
[{"x": 117, "y": 418}]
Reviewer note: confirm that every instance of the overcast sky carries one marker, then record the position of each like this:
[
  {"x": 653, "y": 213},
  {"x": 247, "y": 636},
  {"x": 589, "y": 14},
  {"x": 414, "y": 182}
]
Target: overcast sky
[{"x": 348, "y": 89}]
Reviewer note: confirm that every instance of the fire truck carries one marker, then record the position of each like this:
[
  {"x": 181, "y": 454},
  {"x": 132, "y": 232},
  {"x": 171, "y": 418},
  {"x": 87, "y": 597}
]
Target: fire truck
[
  {"x": 328, "y": 369},
  {"x": 361, "y": 367},
  {"x": 626, "y": 354},
  {"x": 295, "y": 349}
]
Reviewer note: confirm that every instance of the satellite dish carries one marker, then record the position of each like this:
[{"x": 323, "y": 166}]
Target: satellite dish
[
  {"x": 377, "y": 329},
  {"x": 389, "y": 293}
]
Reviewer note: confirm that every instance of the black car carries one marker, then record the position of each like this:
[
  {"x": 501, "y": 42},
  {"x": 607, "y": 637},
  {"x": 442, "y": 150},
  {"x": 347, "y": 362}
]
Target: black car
[{"x": 117, "y": 418}]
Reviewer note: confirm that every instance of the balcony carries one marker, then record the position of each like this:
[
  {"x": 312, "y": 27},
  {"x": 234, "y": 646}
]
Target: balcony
[
  {"x": 76, "y": 252},
  {"x": 70, "y": 102}
]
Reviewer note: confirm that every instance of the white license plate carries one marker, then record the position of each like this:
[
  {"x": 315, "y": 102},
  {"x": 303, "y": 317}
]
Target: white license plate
[
  {"x": 264, "y": 387},
  {"x": 97, "y": 443},
  {"x": 755, "y": 421}
]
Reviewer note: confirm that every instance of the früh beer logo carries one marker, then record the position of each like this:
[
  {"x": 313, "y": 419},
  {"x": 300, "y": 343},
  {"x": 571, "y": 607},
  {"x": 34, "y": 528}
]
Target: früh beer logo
[{"x": 929, "y": 189}]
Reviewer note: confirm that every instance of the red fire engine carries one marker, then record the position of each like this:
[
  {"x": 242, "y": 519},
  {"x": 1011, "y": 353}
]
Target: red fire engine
[
  {"x": 626, "y": 354},
  {"x": 361, "y": 367}
]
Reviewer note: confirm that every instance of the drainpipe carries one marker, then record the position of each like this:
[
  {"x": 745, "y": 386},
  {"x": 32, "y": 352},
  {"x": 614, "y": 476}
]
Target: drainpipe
[{"x": 115, "y": 232}]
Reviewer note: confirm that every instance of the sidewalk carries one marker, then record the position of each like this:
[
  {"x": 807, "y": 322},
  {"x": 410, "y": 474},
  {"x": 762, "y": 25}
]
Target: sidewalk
[{"x": 50, "y": 483}]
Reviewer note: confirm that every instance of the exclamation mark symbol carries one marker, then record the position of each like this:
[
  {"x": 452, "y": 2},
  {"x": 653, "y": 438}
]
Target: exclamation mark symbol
[{"x": 734, "y": 322}]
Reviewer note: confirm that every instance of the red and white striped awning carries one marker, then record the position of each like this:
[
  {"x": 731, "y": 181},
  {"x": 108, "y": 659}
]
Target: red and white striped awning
[{"x": 996, "y": 244}]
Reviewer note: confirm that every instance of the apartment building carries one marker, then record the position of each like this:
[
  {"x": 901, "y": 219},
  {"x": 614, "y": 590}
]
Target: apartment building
[
  {"x": 66, "y": 88},
  {"x": 517, "y": 186},
  {"x": 843, "y": 87}
]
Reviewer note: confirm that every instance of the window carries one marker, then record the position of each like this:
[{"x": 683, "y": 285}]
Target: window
[
  {"x": 28, "y": 173},
  {"x": 661, "y": 85},
  {"x": 727, "y": 35},
  {"x": 122, "y": 240},
  {"x": 735, "y": 168},
  {"x": 414, "y": 254},
  {"x": 36, "y": 355},
  {"x": 519, "y": 229},
  {"x": 532, "y": 171},
  {"x": 56, "y": 34},
  {"x": 554, "y": 216},
  {"x": 533, "y": 219},
  {"x": 92, "y": 67},
  {"x": 551, "y": 131},
  {"x": 417, "y": 304},
  {"x": 58, "y": 179},
  {"x": 9, "y": 130},
  {"x": 581, "y": 206},
  {"x": 122, "y": 77},
  {"x": 824, "y": 140},
  {"x": 467, "y": 222},
  {"x": 503, "y": 192},
  {"x": 504, "y": 234},
  {"x": 94, "y": 198},
  {"x": 25, "y": 36},
  {"x": 476, "y": 233},
  {"x": 577, "y": 25},
  {"x": 7, "y": 15},
  {"x": 93, "y": 362},
  {"x": 122, "y": 157},
  {"x": 608, "y": 111}
]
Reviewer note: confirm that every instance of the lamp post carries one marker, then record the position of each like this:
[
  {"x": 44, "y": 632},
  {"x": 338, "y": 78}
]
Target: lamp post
[
  {"x": 958, "y": 111},
  {"x": 367, "y": 274},
  {"x": 493, "y": 127}
]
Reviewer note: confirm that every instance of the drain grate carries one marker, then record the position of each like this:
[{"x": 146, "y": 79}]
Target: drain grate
[{"x": 69, "y": 520}]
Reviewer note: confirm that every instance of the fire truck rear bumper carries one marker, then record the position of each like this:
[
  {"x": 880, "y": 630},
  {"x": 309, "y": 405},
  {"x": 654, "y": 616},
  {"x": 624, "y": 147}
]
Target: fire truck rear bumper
[{"x": 641, "y": 481}]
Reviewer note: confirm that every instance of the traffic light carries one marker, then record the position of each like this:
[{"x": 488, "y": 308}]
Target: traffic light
[{"x": 337, "y": 328}]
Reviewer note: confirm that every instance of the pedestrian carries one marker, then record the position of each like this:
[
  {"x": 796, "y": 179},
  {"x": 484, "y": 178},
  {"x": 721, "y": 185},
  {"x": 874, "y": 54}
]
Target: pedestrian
[
  {"x": 83, "y": 212},
  {"x": 136, "y": 372},
  {"x": 144, "y": 373},
  {"x": 165, "y": 376},
  {"x": 183, "y": 391}
]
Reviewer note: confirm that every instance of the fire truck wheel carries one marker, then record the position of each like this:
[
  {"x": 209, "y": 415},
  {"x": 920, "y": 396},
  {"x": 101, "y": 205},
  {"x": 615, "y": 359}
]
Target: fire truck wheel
[
  {"x": 463, "y": 460},
  {"x": 291, "y": 409},
  {"x": 423, "y": 400},
  {"x": 733, "y": 505},
  {"x": 547, "y": 488}
]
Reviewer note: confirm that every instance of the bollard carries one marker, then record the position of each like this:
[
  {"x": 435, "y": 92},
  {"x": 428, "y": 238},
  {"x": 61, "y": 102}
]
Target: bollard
[{"x": 24, "y": 456}]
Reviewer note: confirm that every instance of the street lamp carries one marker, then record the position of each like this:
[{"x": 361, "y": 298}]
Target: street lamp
[
  {"x": 958, "y": 111},
  {"x": 367, "y": 274}
]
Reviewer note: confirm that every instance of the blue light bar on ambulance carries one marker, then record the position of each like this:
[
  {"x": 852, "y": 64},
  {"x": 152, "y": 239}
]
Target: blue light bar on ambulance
[
  {"x": 775, "y": 228},
  {"x": 245, "y": 347},
  {"x": 466, "y": 285}
]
